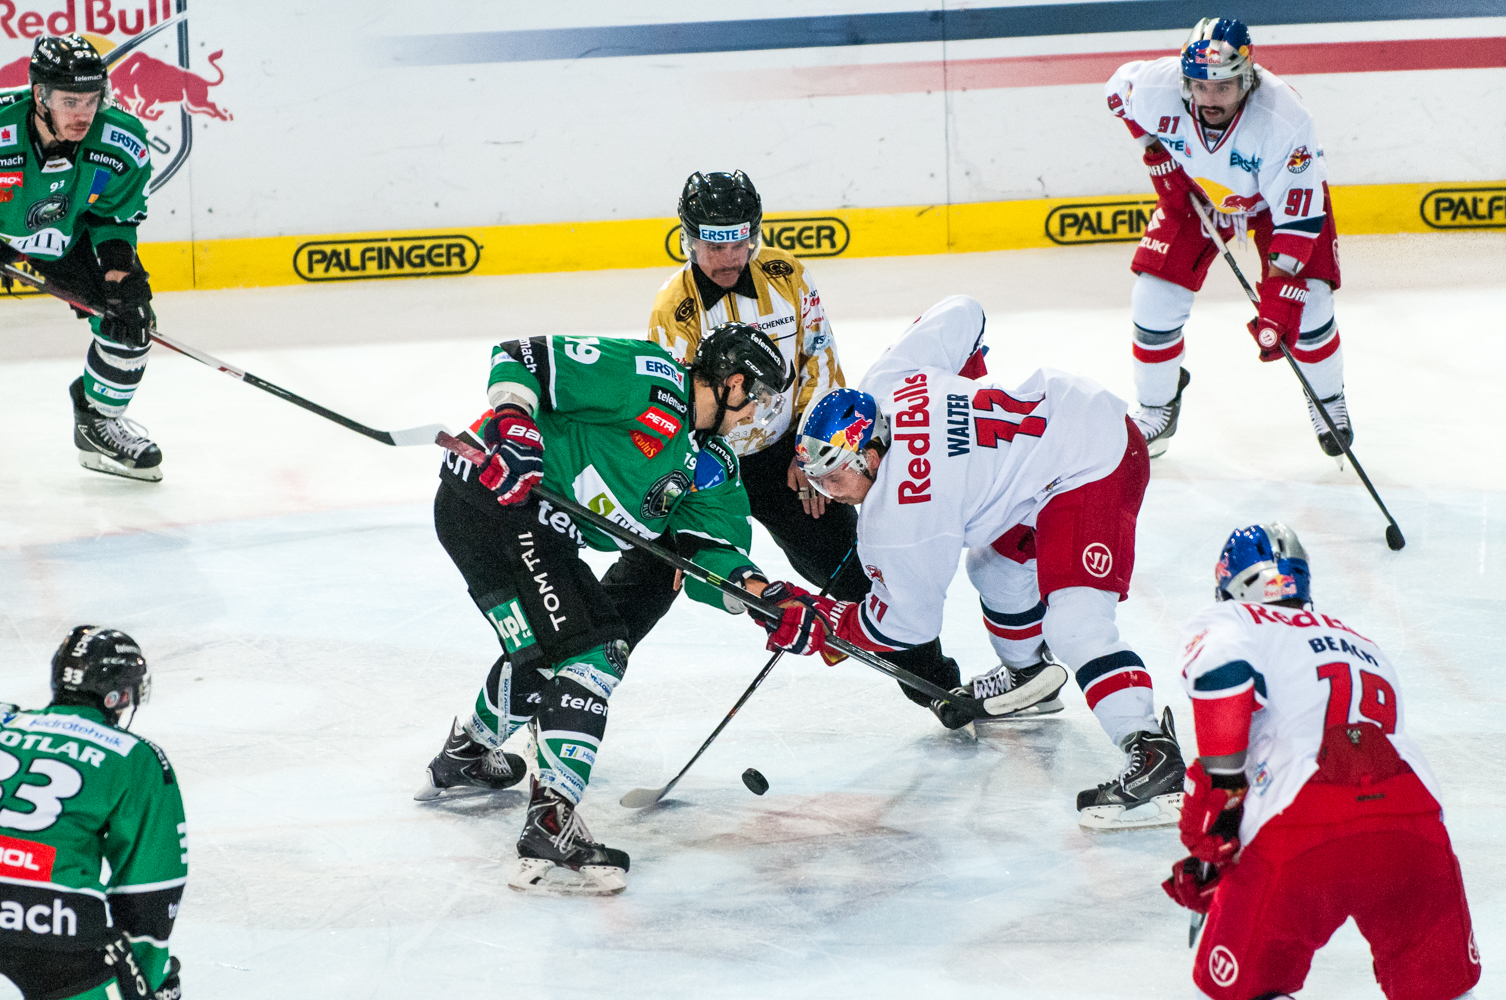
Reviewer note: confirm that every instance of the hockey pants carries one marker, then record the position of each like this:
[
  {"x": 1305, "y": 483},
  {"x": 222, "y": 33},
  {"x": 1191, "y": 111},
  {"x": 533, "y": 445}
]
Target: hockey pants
[{"x": 563, "y": 648}]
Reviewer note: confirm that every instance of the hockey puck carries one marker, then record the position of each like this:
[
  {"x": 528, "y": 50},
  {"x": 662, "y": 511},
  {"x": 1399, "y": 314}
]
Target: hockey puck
[
  {"x": 757, "y": 783},
  {"x": 1394, "y": 539}
]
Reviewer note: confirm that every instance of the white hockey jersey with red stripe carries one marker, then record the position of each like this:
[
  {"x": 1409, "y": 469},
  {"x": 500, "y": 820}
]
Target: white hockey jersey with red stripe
[
  {"x": 1268, "y": 159},
  {"x": 1305, "y": 671},
  {"x": 968, "y": 461}
]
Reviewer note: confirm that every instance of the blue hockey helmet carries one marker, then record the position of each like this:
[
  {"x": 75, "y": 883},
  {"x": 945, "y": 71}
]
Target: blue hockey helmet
[
  {"x": 836, "y": 427},
  {"x": 1263, "y": 564},
  {"x": 1218, "y": 49}
]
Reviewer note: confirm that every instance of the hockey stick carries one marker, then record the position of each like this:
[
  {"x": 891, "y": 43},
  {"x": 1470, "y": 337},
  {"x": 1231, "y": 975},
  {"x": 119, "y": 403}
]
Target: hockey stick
[
  {"x": 407, "y": 437},
  {"x": 933, "y": 691},
  {"x": 640, "y": 798},
  {"x": 1205, "y": 872},
  {"x": 1394, "y": 539}
]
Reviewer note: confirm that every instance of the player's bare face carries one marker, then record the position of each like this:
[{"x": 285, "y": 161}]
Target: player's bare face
[
  {"x": 1217, "y": 100},
  {"x": 723, "y": 262},
  {"x": 848, "y": 485},
  {"x": 72, "y": 114}
]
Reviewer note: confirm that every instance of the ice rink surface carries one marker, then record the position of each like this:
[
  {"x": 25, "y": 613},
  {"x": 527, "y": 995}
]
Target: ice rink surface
[{"x": 310, "y": 642}]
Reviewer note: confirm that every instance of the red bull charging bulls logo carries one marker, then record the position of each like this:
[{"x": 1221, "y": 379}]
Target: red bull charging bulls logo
[
  {"x": 145, "y": 44},
  {"x": 851, "y": 436}
]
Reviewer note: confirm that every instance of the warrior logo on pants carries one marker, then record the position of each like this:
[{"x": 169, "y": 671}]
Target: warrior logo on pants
[
  {"x": 1097, "y": 559},
  {"x": 1222, "y": 966}
]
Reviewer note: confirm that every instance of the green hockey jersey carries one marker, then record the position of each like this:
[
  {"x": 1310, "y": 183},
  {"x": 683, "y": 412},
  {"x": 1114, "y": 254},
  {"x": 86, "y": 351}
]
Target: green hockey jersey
[
  {"x": 46, "y": 204},
  {"x": 76, "y": 795},
  {"x": 618, "y": 437}
]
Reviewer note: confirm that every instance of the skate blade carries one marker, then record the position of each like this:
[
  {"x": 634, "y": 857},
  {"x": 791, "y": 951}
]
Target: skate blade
[
  {"x": 1162, "y": 810},
  {"x": 1155, "y": 449},
  {"x": 102, "y": 463},
  {"x": 536, "y": 875},
  {"x": 1039, "y": 690},
  {"x": 1050, "y": 707},
  {"x": 429, "y": 791},
  {"x": 1339, "y": 460}
]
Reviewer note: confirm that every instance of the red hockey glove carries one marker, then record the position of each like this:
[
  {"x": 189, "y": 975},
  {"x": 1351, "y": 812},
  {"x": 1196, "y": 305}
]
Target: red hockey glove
[
  {"x": 1171, "y": 182},
  {"x": 1211, "y": 811},
  {"x": 1187, "y": 886},
  {"x": 807, "y": 620},
  {"x": 1281, "y": 302},
  {"x": 516, "y": 450}
]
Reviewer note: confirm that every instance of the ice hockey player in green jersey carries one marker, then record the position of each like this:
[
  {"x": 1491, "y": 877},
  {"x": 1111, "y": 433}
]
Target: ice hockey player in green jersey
[
  {"x": 73, "y": 175},
  {"x": 626, "y": 431},
  {"x": 93, "y": 855}
]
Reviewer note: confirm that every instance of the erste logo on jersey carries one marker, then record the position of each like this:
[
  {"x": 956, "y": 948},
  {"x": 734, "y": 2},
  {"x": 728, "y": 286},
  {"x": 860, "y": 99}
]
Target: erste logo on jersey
[
  {"x": 134, "y": 147},
  {"x": 26, "y": 859},
  {"x": 1300, "y": 160},
  {"x": 659, "y": 368},
  {"x": 10, "y": 135}
]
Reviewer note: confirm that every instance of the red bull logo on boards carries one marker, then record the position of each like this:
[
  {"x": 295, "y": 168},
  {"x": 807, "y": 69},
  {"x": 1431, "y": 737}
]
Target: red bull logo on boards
[{"x": 148, "y": 58}]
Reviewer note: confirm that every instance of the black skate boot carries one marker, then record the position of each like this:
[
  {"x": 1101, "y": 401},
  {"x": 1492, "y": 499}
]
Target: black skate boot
[
  {"x": 1148, "y": 792},
  {"x": 1010, "y": 693},
  {"x": 1159, "y": 423},
  {"x": 556, "y": 852},
  {"x": 113, "y": 445},
  {"x": 1338, "y": 410},
  {"x": 464, "y": 763}
]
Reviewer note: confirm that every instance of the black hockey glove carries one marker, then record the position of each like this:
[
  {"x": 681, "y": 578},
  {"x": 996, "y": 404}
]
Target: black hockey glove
[
  {"x": 171, "y": 988},
  {"x": 128, "y": 316},
  {"x": 128, "y": 973}
]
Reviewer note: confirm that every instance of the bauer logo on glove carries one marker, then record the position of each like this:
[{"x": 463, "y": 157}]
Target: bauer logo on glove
[{"x": 516, "y": 456}]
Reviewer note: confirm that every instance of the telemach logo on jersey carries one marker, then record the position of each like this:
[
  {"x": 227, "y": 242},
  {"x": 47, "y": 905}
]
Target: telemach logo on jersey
[
  {"x": 1100, "y": 222},
  {"x": 1465, "y": 208},
  {"x": 823, "y": 236}
]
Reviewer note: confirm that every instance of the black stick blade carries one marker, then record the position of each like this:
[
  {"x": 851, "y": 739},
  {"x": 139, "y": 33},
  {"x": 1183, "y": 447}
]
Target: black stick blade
[{"x": 1394, "y": 539}]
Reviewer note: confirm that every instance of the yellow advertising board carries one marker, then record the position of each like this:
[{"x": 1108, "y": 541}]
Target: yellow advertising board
[{"x": 847, "y": 232}]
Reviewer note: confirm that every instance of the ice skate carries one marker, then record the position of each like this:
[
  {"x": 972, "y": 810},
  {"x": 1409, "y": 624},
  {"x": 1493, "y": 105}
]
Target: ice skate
[
  {"x": 464, "y": 764},
  {"x": 1338, "y": 410},
  {"x": 112, "y": 445},
  {"x": 556, "y": 853},
  {"x": 1148, "y": 792},
  {"x": 1159, "y": 423},
  {"x": 1010, "y": 693}
]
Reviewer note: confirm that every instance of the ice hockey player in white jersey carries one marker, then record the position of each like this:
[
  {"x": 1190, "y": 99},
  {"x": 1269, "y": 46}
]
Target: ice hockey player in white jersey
[
  {"x": 1041, "y": 484},
  {"x": 1217, "y": 126},
  {"x": 1309, "y": 800}
]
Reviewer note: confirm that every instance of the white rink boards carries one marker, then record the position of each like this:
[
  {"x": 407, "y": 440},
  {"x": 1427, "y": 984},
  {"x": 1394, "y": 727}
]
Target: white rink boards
[{"x": 310, "y": 642}]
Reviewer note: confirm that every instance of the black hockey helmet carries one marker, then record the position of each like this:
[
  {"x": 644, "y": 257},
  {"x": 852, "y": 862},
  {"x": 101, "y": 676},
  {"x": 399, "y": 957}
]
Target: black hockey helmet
[
  {"x": 102, "y": 667},
  {"x": 68, "y": 62},
  {"x": 720, "y": 208},
  {"x": 740, "y": 349}
]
